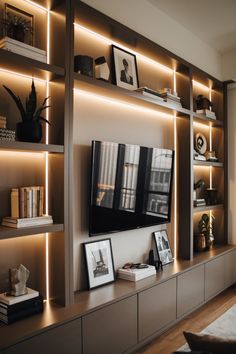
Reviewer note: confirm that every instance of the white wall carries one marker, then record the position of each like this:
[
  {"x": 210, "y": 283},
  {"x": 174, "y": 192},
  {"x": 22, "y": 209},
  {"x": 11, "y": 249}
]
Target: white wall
[
  {"x": 144, "y": 18},
  {"x": 98, "y": 120},
  {"x": 229, "y": 66},
  {"x": 232, "y": 161}
]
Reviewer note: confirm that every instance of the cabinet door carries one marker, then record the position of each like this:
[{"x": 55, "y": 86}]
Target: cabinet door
[
  {"x": 61, "y": 340},
  {"x": 156, "y": 308},
  {"x": 214, "y": 277},
  {"x": 112, "y": 329},
  {"x": 190, "y": 290},
  {"x": 230, "y": 270}
]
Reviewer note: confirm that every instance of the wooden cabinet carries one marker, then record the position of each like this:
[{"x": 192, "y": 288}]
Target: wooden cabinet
[
  {"x": 113, "y": 329},
  {"x": 230, "y": 268},
  {"x": 214, "y": 277},
  {"x": 60, "y": 340},
  {"x": 156, "y": 308},
  {"x": 190, "y": 290}
]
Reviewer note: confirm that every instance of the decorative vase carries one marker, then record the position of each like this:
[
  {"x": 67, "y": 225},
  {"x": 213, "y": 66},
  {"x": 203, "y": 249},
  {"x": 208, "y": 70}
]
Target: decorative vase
[
  {"x": 83, "y": 64},
  {"x": 209, "y": 241},
  {"x": 199, "y": 242},
  {"x": 29, "y": 131}
]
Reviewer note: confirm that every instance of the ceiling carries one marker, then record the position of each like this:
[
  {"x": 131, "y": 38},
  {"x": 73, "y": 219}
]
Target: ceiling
[{"x": 213, "y": 21}]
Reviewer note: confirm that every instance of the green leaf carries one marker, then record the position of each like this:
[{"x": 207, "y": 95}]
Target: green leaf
[
  {"x": 39, "y": 111},
  {"x": 31, "y": 103},
  {"x": 45, "y": 120}
]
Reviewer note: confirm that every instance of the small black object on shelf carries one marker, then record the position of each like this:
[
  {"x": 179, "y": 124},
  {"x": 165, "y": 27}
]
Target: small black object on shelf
[
  {"x": 159, "y": 266},
  {"x": 83, "y": 64},
  {"x": 151, "y": 260}
]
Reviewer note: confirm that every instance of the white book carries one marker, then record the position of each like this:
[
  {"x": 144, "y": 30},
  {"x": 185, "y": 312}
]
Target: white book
[
  {"x": 137, "y": 276},
  {"x": 25, "y": 220},
  {"x": 23, "y": 49},
  {"x": 11, "y": 300}
]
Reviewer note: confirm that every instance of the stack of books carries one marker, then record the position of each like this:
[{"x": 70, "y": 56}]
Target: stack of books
[
  {"x": 145, "y": 91},
  {"x": 170, "y": 98},
  {"x": 206, "y": 113},
  {"x": 27, "y": 202},
  {"x": 199, "y": 202},
  {"x": 3, "y": 122},
  {"x": 24, "y": 49},
  {"x": 18, "y": 223},
  {"x": 7, "y": 135},
  {"x": 14, "y": 308},
  {"x": 135, "y": 274}
]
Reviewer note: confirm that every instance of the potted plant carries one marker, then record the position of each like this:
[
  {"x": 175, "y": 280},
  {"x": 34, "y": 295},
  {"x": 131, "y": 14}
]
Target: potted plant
[
  {"x": 30, "y": 129},
  {"x": 206, "y": 227},
  {"x": 16, "y": 27}
]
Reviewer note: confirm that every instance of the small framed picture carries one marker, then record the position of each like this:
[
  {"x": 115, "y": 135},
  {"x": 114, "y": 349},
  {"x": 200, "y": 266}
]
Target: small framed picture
[
  {"x": 99, "y": 262},
  {"x": 125, "y": 68},
  {"x": 163, "y": 247}
]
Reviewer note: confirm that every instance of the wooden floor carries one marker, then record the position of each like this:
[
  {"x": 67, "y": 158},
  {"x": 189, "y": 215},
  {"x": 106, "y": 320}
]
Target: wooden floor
[{"x": 196, "y": 322}]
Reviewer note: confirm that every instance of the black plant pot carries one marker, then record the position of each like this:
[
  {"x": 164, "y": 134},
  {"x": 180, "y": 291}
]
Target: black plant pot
[{"x": 29, "y": 131}]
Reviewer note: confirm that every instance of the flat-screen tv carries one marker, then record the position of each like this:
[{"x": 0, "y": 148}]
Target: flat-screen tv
[{"x": 130, "y": 187}]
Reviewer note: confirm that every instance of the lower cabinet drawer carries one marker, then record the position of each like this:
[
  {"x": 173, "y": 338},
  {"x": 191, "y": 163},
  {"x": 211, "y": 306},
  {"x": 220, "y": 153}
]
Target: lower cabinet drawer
[
  {"x": 190, "y": 290},
  {"x": 230, "y": 268},
  {"x": 112, "y": 329},
  {"x": 214, "y": 277},
  {"x": 61, "y": 340},
  {"x": 156, "y": 308}
]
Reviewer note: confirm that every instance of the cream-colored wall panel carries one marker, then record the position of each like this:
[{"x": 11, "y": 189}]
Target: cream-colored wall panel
[{"x": 96, "y": 119}]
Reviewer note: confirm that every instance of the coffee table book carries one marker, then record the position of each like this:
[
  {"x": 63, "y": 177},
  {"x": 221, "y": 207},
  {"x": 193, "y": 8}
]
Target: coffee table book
[
  {"x": 11, "y": 300},
  {"x": 17, "y": 223},
  {"x": 136, "y": 274}
]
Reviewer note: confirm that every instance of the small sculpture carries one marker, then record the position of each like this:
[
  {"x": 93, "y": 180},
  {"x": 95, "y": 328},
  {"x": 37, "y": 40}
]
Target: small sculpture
[
  {"x": 18, "y": 279},
  {"x": 102, "y": 71},
  {"x": 203, "y": 102}
]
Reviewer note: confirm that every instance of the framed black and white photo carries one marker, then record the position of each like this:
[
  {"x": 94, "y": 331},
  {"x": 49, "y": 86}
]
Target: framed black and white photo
[
  {"x": 99, "y": 262},
  {"x": 125, "y": 68},
  {"x": 163, "y": 247}
]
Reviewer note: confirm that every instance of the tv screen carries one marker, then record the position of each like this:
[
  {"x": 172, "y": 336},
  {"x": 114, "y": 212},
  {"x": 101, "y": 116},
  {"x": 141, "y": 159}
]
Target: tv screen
[{"x": 130, "y": 187}]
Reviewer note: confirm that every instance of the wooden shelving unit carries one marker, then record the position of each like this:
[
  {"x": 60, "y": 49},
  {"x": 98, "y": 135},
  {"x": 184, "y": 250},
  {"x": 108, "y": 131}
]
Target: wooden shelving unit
[{"x": 75, "y": 122}]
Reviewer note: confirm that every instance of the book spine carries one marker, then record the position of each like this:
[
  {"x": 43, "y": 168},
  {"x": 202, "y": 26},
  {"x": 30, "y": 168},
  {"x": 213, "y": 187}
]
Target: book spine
[
  {"x": 34, "y": 202},
  {"x": 41, "y": 200},
  {"x": 22, "y": 203},
  {"x": 29, "y": 199},
  {"x": 11, "y": 309},
  {"x": 15, "y": 203},
  {"x": 21, "y": 314}
]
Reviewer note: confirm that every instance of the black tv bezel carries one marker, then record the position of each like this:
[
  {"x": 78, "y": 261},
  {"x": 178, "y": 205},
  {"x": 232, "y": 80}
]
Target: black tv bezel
[{"x": 121, "y": 229}]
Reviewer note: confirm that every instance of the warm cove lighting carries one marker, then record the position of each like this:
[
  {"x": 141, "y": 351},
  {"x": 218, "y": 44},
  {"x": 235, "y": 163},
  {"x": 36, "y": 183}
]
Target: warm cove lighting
[
  {"x": 25, "y": 154},
  {"x": 36, "y": 5},
  {"x": 201, "y": 86},
  {"x": 200, "y": 125},
  {"x": 21, "y": 75},
  {"x": 122, "y": 104},
  {"x": 139, "y": 56},
  {"x": 175, "y": 187}
]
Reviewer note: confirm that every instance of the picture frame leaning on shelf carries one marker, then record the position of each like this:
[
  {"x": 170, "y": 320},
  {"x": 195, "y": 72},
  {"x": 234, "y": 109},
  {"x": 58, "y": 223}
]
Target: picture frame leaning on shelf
[
  {"x": 125, "y": 71},
  {"x": 163, "y": 247},
  {"x": 99, "y": 263}
]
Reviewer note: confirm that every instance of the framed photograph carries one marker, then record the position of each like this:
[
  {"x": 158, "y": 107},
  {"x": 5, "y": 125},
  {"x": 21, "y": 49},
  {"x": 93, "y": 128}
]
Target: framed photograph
[
  {"x": 163, "y": 247},
  {"x": 99, "y": 262},
  {"x": 125, "y": 68}
]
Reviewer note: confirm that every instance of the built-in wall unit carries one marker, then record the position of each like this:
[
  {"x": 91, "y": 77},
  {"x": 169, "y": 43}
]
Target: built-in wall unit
[{"x": 121, "y": 316}]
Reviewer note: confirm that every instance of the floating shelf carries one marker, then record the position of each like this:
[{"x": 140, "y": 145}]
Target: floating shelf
[
  {"x": 107, "y": 89},
  {"x": 207, "y": 121},
  {"x": 30, "y": 147},
  {"x": 30, "y": 67},
  {"x": 207, "y": 207},
  {"x": 8, "y": 232},
  {"x": 208, "y": 163}
]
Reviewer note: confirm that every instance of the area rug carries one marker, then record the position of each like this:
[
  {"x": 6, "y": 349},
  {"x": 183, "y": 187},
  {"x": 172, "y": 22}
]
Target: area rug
[{"x": 224, "y": 326}]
